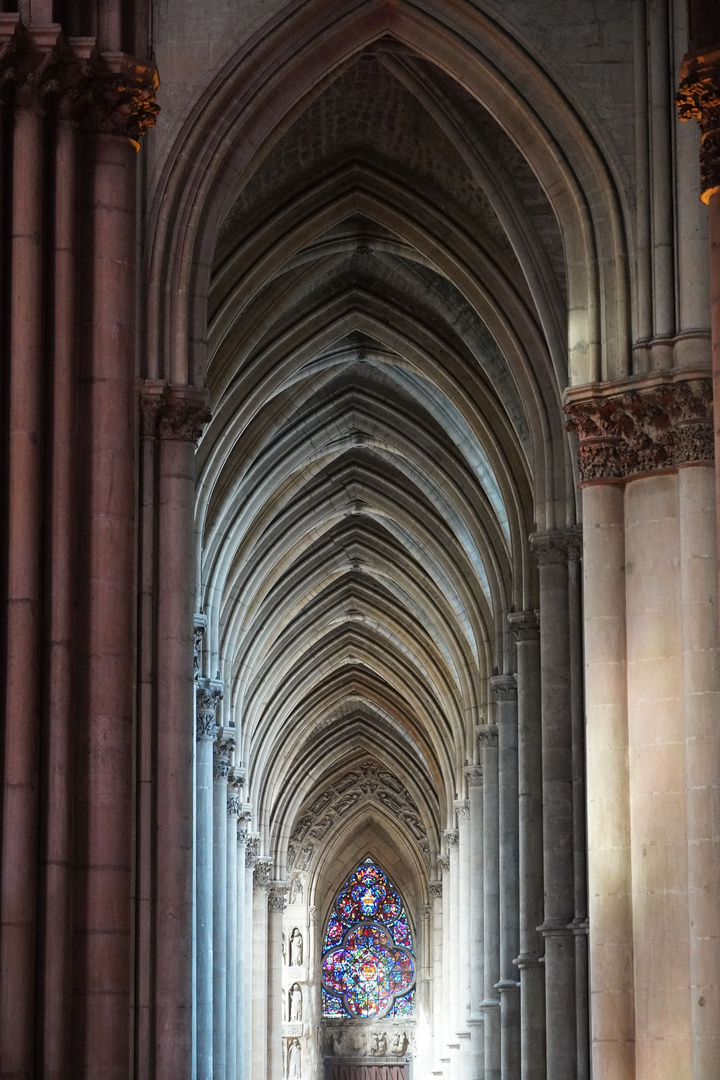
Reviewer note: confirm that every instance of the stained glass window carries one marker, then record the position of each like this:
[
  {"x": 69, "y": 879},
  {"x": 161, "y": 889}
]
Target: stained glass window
[{"x": 368, "y": 967}]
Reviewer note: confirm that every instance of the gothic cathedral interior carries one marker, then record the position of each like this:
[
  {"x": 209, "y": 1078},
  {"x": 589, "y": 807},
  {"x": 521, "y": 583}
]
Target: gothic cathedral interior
[{"x": 360, "y": 638}]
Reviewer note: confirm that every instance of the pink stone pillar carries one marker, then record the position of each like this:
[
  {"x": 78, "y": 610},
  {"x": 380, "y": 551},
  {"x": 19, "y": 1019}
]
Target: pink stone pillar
[
  {"x": 103, "y": 782},
  {"x": 59, "y": 626},
  {"x": 180, "y": 422},
  {"x": 24, "y": 480}
]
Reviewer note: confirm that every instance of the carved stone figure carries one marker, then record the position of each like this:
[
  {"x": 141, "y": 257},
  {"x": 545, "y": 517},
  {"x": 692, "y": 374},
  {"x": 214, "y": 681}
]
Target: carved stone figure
[
  {"x": 296, "y": 891},
  {"x": 358, "y": 1042},
  {"x": 379, "y": 1043},
  {"x": 398, "y": 1043},
  {"x": 296, "y": 948},
  {"x": 294, "y": 1061},
  {"x": 337, "y": 1042},
  {"x": 296, "y": 1003}
]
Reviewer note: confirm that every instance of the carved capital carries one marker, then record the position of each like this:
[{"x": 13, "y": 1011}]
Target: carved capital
[
  {"x": 233, "y": 805},
  {"x": 525, "y": 625},
  {"x": 114, "y": 94},
  {"x": 503, "y": 687},
  {"x": 642, "y": 425},
  {"x": 557, "y": 545},
  {"x": 435, "y": 888},
  {"x": 221, "y": 760},
  {"x": 208, "y": 693},
  {"x": 698, "y": 98},
  {"x": 178, "y": 412},
  {"x": 462, "y": 808},
  {"x": 487, "y": 736},
  {"x": 474, "y": 775},
  {"x": 262, "y": 873},
  {"x": 205, "y": 730},
  {"x": 443, "y": 864},
  {"x": 252, "y": 851},
  {"x": 278, "y": 895},
  {"x": 451, "y": 837}
]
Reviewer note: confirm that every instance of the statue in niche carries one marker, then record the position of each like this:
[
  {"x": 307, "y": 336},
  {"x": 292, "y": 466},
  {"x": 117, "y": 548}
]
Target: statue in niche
[
  {"x": 379, "y": 1043},
  {"x": 294, "y": 1065},
  {"x": 398, "y": 1043},
  {"x": 284, "y": 948},
  {"x": 296, "y": 1003},
  {"x": 296, "y": 948},
  {"x": 296, "y": 891}
]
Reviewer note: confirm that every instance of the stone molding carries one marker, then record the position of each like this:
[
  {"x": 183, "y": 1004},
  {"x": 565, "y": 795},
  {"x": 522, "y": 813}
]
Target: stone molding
[
  {"x": 487, "y": 736},
  {"x": 658, "y": 422},
  {"x": 525, "y": 625},
  {"x": 698, "y": 98},
  {"x": 504, "y": 687},
  {"x": 474, "y": 775},
  {"x": 557, "y": 546},
  {"x": 177, "y": 412}
]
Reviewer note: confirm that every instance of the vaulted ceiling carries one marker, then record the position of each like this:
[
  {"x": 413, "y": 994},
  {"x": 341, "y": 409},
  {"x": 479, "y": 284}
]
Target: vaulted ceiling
[{"x": 386, "y": 348}]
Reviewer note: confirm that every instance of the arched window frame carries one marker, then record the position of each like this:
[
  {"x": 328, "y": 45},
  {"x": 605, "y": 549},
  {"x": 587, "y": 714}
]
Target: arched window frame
[{"x": 379, "y": 919}]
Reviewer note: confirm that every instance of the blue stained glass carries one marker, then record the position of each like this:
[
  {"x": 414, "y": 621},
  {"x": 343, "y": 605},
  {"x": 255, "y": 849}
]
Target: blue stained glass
[{"x": 368, "y": 968}]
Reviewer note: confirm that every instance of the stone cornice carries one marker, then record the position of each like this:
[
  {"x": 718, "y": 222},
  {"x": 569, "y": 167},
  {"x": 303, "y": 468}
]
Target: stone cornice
[
  {"x": 698, "y": 98},
  {"x": 658, "y": 422}
]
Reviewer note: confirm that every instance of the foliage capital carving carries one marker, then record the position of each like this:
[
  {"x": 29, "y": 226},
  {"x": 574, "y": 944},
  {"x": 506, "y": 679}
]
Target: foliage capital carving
[
  {"x": 179, "y": 412},
  {"x": 524, "y": 625},
  {"x": 503, "y": 687},
  {"x": 557, "y": 545},
  {"x": 698, "y": 98},
  {"x": 487, "y": 736}
]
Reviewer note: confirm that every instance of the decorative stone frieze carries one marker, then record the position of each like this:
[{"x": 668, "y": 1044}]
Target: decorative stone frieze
[
  {"x": 172, "y": 412},
  {"x": 641, "y": 426},
  {"x": 503, "y": 687},
  {"x": 383, "y": 1041},
  {"x": 557, "y": 545},
  {"x": 698, "y": 98},
  {"x": 487, "y": 736},
  {"x": 524, "y": 625}
]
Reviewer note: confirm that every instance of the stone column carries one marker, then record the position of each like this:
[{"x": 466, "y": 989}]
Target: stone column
[
  {"x": 435, "y": 888},
  {"x": 232, "y": 1000},
  {"x": 701, "y": 676},
  {"x": 277, "y": 901},
  {"x": 208, "y": 695},
  {"x": 18, "y": 904},
  {"x": 242, "y": 958},
  {"x": 474, "y": 780},
  {"x": 252, "y": 848},
  {"x": 462, "y": 813},
  {"x": 223, "y": 749},
  {"x": 553, "y": 550},
  {"x": 259, "y": 1027},
  {"x": 504, "y": 691},
  {"x": 446, "y": 1001},
  {"x": 698, "y": 99},
  {"x": 488, "y": 743},
  {"x": 452, "y": 906},
  {"x": 178, "y": 421},
  {"x": 525, "y": 626}
]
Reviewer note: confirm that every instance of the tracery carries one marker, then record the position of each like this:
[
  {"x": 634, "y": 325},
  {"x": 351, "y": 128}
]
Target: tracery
[{"x": 368, "y": 966}]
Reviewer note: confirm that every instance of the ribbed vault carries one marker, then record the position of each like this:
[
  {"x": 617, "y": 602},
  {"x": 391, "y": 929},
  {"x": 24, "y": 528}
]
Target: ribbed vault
[{"x": 386, "y": 327}]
